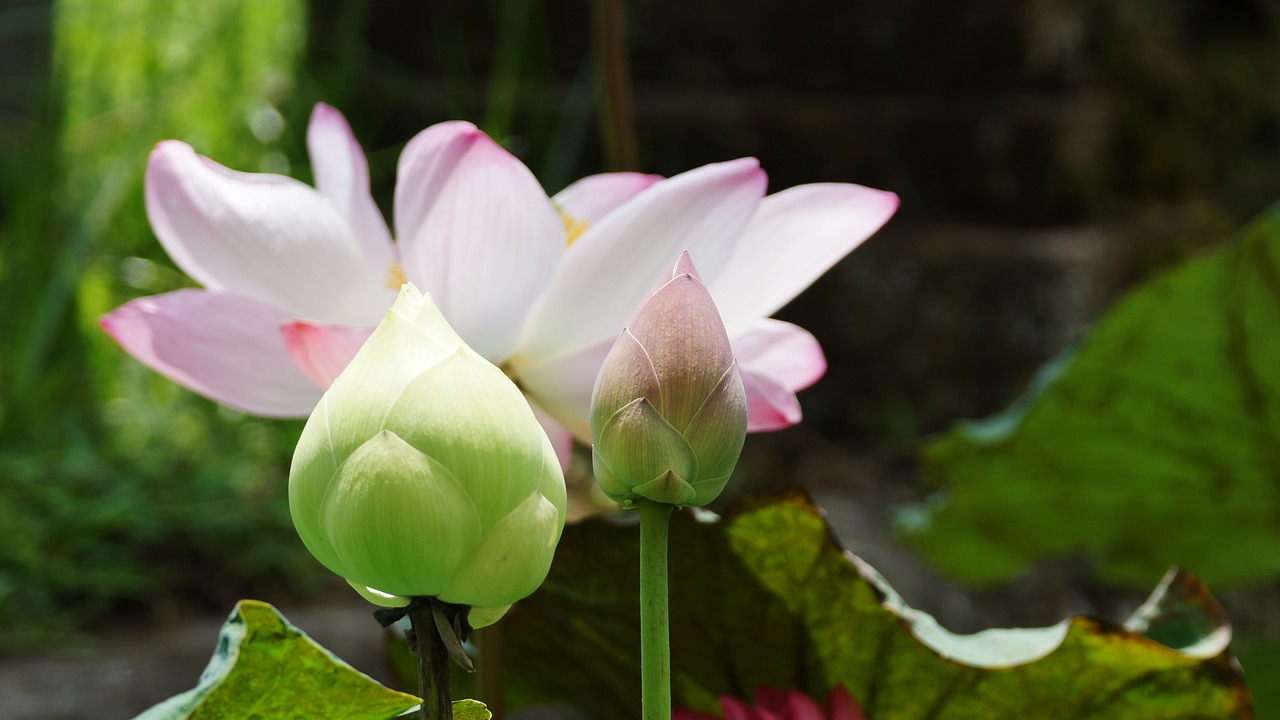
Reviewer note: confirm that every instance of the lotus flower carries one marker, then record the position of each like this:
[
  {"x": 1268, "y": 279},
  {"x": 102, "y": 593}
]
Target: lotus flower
[
  {"x": 669, "y": 414},
  {"x": 423, "y": 472},
  {"x": 774, "y": 704},
  {"x": 295, "y": 277}
]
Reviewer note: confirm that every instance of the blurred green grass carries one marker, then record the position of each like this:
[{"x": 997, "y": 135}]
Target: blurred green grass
[{"x": 120, "y": 490}]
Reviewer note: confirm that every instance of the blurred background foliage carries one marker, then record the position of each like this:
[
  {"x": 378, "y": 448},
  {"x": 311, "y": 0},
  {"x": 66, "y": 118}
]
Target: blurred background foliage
[
  {"x": 1049, "y": 153},
  {"x": 1152, "y": 442},
  {"x": 118, "y": 488}
]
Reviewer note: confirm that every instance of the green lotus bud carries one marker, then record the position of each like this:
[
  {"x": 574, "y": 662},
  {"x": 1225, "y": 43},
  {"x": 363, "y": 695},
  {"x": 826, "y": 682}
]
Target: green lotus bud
[
  {"x": 423, "y": 472},
  {"x": 669, "y": 413}
]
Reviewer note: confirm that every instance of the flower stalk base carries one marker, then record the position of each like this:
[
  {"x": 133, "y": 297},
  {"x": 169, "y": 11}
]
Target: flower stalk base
[
  {"x": 436, "y": 633},
  {"x": 433, "y": 665}
]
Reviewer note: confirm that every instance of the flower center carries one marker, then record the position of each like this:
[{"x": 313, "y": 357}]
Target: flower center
[
  {"x": 395, "y": 275},
  {"x": 573, "y": 227},
  {"x": 509, "y": 369}
]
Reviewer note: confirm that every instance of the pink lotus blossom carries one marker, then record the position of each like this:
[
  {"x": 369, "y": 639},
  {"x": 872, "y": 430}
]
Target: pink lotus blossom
[
  {"x": 294, "y": 277},
  {"x": 774, "y": 704}
]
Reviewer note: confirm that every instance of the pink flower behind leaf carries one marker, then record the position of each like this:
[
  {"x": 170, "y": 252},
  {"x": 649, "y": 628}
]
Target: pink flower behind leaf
[
  {"x": 774, "y": 704},
  {"x": 294, "y": 277}
]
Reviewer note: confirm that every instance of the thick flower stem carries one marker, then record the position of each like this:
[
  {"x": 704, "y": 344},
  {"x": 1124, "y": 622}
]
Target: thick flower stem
[
  {"x": 655, "y": 634},
  {"x": 433, "y": 666}
]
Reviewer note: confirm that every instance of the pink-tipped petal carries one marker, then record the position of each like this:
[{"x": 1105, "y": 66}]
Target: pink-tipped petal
[
  {"x": 773, "y": 699},
  {"x": 225, "y": 347},
  {"x": 342, "y": 175},
  {"x": 796, "y": 236},
  {"x": 780, "y": 350},
  {"x": 477, "y": 231},
  {"x": 595, "y": 196},
  {"x": 840, "y": 705},
  {"x": 561, "y": 439},
  {"x": 684, "y": 266},
  {"x": 322, "y": 351},
  {"x": 683, "y": 343},
  {"x": 262, "y": 236},
  {"x": 770, "y": 404},
  {"x": 609, "y": 269},
  {"x": 788, "y": 704}
]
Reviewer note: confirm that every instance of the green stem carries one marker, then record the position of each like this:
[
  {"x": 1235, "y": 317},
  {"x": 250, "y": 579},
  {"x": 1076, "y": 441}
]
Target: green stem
[
  {"x": 655, "y": 633},
  {"x": 433, "y": 666}
]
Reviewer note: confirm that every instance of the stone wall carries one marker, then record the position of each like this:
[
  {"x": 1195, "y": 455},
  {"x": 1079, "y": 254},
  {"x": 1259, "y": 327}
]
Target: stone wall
[{"x": 1047, "y": 153}]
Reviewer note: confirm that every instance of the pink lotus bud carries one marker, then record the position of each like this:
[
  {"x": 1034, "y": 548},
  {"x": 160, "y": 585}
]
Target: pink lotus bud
[{"x": 669, "y": 414}]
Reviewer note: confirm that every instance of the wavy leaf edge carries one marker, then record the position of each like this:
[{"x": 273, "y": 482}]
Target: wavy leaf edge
[{"x": 1010, "y": 647}]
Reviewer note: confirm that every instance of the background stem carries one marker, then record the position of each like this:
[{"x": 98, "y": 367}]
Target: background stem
[
  {"x": 617, "y": 124},
  {"x": 433, "y": 666},
  {"x": 655, "y": 634}
]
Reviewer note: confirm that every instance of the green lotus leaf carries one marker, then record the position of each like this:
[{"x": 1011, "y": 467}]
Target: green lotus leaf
[
  {"x": 1151, "y": 444},
  {"x": 766, "y": 596},
  {"x": 264, "y": 667}
]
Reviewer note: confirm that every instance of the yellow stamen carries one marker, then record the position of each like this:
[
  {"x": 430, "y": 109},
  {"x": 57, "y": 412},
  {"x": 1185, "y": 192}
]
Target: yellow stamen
[
  {"x": 573, "y": 227},
  {"x": 395, "y": 275}
]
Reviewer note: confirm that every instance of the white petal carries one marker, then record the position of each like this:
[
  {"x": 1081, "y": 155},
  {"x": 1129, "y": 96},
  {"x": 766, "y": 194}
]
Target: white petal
[
  {"x": 225, "y": 347},
  {"x": 562, "y": 386},
  {"x": 610, "y": 269},
  {"x": 595, "y": 196},
  {"x": 262, "y": 236},
  {"x": 477, "y": 231},
  {"x": 342, "y": 175},
  {"x": 785, "y": 352},
  {"x": 797, "y": 235}
]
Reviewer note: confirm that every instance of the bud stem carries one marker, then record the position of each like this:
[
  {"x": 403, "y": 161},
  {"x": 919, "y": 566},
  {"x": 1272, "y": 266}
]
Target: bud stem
[
  {"x": 655, "y": 633},
  {"x": 433, "y": 666}
]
